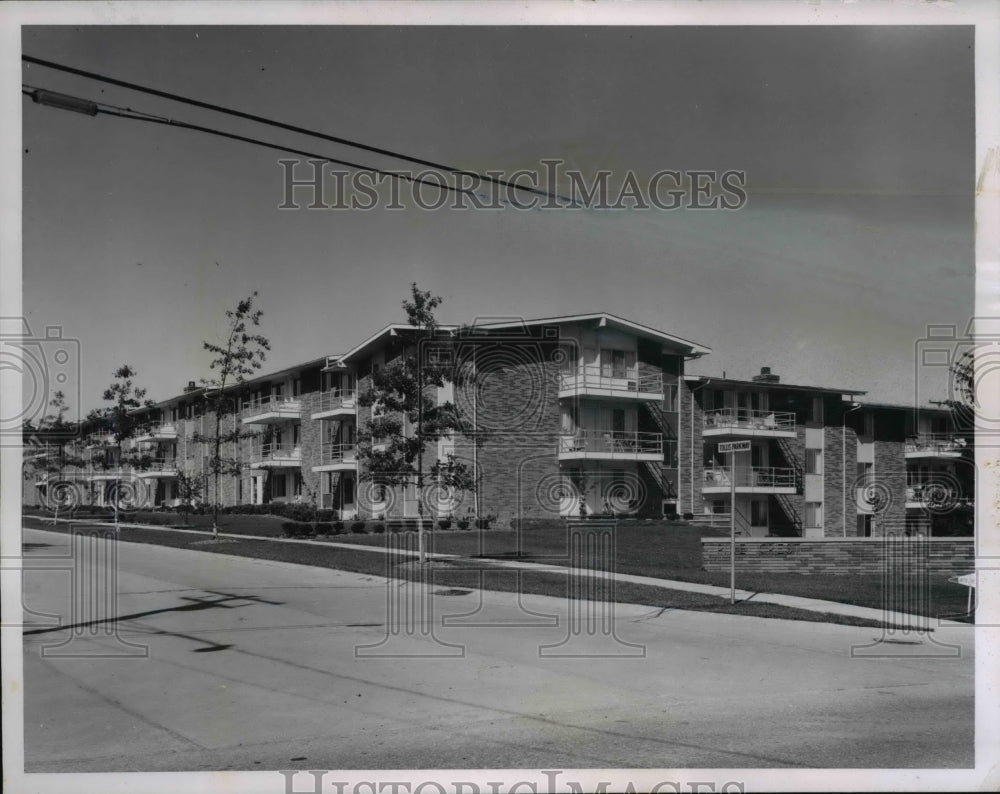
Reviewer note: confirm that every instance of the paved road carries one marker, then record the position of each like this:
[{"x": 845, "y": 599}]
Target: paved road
[{"x": 251, "y": 664}]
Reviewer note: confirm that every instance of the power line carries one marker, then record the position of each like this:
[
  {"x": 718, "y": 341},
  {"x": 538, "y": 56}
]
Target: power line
[
  {"x": 103, "y": 108},
  {"x": 285, "y": 126}
]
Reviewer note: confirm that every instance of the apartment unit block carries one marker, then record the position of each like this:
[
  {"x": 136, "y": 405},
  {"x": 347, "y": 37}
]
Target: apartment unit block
[{"x": 569, "y": 417}]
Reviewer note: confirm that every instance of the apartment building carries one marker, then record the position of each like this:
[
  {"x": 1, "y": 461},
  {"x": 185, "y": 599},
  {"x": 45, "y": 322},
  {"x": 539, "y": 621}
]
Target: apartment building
[
  {"x": 567, "y": 416},
  {"x": 793, "y": 481}
]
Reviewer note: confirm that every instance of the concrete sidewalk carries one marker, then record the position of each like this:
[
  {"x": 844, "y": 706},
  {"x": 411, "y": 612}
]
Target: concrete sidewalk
[{"x": 902, "y": 619}]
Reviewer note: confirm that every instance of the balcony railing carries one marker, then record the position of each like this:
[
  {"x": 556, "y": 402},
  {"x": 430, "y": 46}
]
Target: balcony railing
[
  {"x": 749, "y": 477},
  {"x": 271, "y": 406},
  {"x": 335, "y": 400},
  {"x": 272, "y": 452},
  {"x": 611, "y": 379},
  {"x": 932, "y": 493},
  {"x": 749, "y": 419},
  {"x": 935, "y": 444},
  {"x": 331, "y": 453},
  {"x": 155, "y": 465},
  {"x": 612, "y": 442},
  {"x": 164, "y": 431}
]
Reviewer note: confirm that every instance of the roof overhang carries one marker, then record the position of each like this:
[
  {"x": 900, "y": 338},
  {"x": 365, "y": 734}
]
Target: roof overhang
[{"x": 605, "y": 320}]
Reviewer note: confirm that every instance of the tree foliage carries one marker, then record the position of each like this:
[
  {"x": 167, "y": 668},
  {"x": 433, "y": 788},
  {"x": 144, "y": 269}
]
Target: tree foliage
[
  {"x": 240, "y": 356},
  {"x": 406, "y": 417}
]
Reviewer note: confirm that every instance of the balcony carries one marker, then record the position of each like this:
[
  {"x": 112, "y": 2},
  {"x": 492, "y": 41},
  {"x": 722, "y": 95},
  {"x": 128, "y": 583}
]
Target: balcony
[
  {"x": 99, "y": 440},
  {"x": 749, "y": 479},
  {"x": 337, "y": 457},
  {"x": 271, "y": 410},
  {"x": 111, "y": 473},
  {"x": 611, "y": 445},
  {"x": 160, "y": 432},
  {"x": 38, "y": 452},
  {"x": 335, "y": 403},
  {"x": 934, "y": 496},
  {"x": 161, "y": 468},
  {"x": 934, "y": 445},
  {"x": 598, "y": 381},
  {"x": 275, "y": 456},
  {"x": 747, "y": 423}
]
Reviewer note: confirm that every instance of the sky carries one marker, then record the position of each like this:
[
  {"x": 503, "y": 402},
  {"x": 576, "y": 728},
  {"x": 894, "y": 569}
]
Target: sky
[{"x": 857, "y": 144}]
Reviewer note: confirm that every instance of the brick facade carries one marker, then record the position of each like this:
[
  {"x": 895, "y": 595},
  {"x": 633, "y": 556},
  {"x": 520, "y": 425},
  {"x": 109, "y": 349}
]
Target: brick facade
[{"x": 936, "y": 556}]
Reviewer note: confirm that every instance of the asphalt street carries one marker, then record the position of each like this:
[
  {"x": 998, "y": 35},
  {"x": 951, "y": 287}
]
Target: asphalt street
[{"x": 204, "y": 662}]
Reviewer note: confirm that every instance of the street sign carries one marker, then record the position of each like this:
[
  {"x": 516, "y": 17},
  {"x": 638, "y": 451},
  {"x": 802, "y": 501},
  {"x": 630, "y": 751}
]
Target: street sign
[{"x": 732, "y": 447}]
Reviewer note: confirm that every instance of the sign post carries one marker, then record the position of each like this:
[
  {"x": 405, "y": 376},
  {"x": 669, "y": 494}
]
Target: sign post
[{"x": 732, "y": 447}]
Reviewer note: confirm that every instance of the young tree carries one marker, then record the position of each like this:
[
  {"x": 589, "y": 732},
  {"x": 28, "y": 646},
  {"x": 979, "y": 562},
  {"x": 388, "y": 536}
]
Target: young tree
[
  {"x": 54, "y": 434},
  {"x": 189, "y": 489},
  {"x": 390, "y": 456},
  {"x": 241, "y": 355},
  {"x": 120, "y": 419}
]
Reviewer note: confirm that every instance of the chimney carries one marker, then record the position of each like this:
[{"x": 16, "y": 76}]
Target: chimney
[
  {"x": 765, "y": 376},
  {"x": 192, "y": 386}
]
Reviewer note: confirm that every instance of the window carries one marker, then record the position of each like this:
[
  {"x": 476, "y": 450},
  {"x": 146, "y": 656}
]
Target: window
[
  {"x": 239, "y": 491},
  {"x": 814, "y": 461},
  {"x": 278, "y": 391},
  {"x": 278, "y": 487},
  {"x": 347, "y": 491},
  {"x": 758, "y": 514},
  {"x": 814, "y": 514},
  {"x": 868, "y": 428},
  {"x": 618, "y": 420},
  {"x": 670, "y": 397},
  {"x": 817, "y": 409},
  {"x": 865, "y": 525},
  {"x": 296, "y": 434},
  {"x": 297, "y": 484},
  {"x": 296, "y": 387},
  {"x": 866, "y": 474}
]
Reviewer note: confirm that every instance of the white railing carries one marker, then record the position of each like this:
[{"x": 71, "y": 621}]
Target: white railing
[
  {"x": 161, "y": 430},
  {"x": 273, "y": 451},
  {"x": 611, "y": 441},
  {"x": 267, "y": 403},
  {"x": 931, "y": 492},
  {"x": 40, "y": 451},
  {"x": 612, "y": 379},
  {"x": 333, "y": 400},
  {"x": 750, "y": 477},
  {"x": 331, "y": 452},
  {"x": 935, "y": 443},
  {"x": 749, "y": 419},
  {"x": 156, "y": 464}
]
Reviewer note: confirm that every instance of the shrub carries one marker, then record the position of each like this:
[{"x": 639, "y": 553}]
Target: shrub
[
  {"x": 463, "y": 523},
  {"x": 444, "y": 523},
  {"x": 483, "y": 523},
  {"x": 296, "y": 529},
  {"x": 358, "y": 527},
  {"x": 688, "y": 516},
  {"x": 672, "y": 516},
  {"x": 379, "y": 528},
  {"x": 323, "y": 528},
  {"x": 338, "y": 527}
]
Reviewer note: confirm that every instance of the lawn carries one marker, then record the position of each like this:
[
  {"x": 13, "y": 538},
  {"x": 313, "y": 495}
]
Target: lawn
[
  {"x": 665, "y": 550},
  {"x": 466, "y": 574}
]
